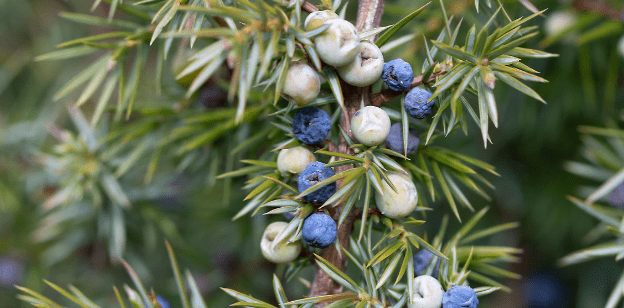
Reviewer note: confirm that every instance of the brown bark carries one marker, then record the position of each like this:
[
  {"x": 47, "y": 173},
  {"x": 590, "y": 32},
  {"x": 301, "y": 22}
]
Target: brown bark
[{"x": 369, "y": 16}]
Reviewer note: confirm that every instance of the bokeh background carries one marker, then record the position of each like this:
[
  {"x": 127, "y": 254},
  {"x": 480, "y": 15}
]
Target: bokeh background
[{"x": 529, "y": 150}]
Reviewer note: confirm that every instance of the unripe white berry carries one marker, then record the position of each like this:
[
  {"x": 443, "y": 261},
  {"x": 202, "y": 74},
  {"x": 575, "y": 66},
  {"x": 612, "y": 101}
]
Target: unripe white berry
[
  {"x": 397, "y": 204},
  {"x": 278, "y": 252},
  {"x": 339, "y": 44},
  {"x": 427, "y": 293},
  {"x": 620, "y": 47},
  {"x": 366, "y": 68},
  {"x": 558, "y": 22},
  {"x": 370, "y": 125},
  {"x": 294, "y": 160},
  {"x": 317, "y": 18},
  {"x": 302, "y": 84}
]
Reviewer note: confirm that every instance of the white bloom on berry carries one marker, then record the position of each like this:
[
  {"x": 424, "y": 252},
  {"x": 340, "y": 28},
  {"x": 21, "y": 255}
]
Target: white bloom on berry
[
  {"x": 278, "y": 252},
  {"x": 366, "y": 68},
  {"x": 339, "y": 44},
  {"x": 370, "y": 125}
]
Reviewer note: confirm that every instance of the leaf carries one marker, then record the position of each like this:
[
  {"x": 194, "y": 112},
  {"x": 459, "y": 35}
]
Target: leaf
[
  {"x": 334, "y": 84},
  {"x": 99, "y": 21},
  {"x": 113, "y": 190},
  {"x": 516, "y": 84},
  {"x": 165, "y": 20},
  {"x": 327, "y": 181},
  {"x": 67, "y": 294},
  {"x": 137, "y": 283},
  {"x": 605, "y": 29},
  {"x": 80, "y": 78},
  {"x": 592, "y": 210},
  {"x": 196, "y": 298},
  {"x": 67, "y": 53},
  {"x": 245, "y": 298},
  {"x": 386, "y": 252},
  {"x": 394, "y": 29},
  {"x": 616, "y": 294},
  {"x": 389, "y": 269},
  {"x": 591, "y": 253},
  {"x": 489, "y": 231},
  {"x": 177, "y": 275},
  {"x": 445, "y": 189},
  {"x": 455, "y": 52},
  {"x": 606, "y": 187},
  {"x": 337, "y": 275},
  {"x": 279, "y": 291}
]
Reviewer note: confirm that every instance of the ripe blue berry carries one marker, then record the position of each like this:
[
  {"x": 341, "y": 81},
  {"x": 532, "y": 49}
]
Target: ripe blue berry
[
  {"x": 421, "y": 262},
  {"x": 460, "y": 297},
  {"x": 313, "y": 174},
  {"x": 416, "y": 103},
  {"x": 543, "y": 290},
  {"x": 162, "y": 302},
  {"x": 11, "y": 271},
  {"x": 616, "y": 197},
  {"x": 398, "y": 75},
  {"x": 311, "y": 125},
  {"x": 289, "y": 216},
  {"x": 395, "y": 139},
  {"x": 319, "y": 230}
]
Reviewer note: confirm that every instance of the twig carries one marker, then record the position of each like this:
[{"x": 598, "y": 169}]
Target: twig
[
  {"x": 599, "y": 7},
  {"x": 369, "y": 16},
  {"x": 387, "y": 95},
  {"x": 309, "y": 7}
]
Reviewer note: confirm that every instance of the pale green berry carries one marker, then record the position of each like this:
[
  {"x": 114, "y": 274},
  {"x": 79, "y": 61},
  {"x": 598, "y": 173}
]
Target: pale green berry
[
  {"x": 302, "y": 84},
  {"x": 366, "y": 68},
  {"x": 339, "y": 44},
  {"x": 620, "y": 47},
  {"x": 370, "y": 125},
  {"x": 281, "y": 252},
  {"x": 427, "y": 292},
  {"x": 316, "y": 19},
  {"x": 294, "y": 160},
  {"x": 400, "y": 203},
  {"x": 558, "y": 21}
]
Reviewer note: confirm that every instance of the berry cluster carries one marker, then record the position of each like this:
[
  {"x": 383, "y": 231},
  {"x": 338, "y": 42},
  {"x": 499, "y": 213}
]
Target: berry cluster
[
  {"x": 358, "y": 63},
  {"x": 429, "y": 293}
]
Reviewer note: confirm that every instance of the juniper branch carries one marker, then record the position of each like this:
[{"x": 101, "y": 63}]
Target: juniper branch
[{"x": 369, "y": 17}]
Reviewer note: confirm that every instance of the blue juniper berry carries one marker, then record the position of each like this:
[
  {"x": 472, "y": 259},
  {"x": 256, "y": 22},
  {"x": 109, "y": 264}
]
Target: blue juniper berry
[
  {"x": 616, "y": 197},
  {"x": 319, "y": 230},
  {"x": 395, "y": 139},
  {"x": 162, "y": 302},
  {"x": 312, "y": 174},
  {"x": 416, "y": 103},
  {"x": 397, "y": 74},
  {"x": 460, "y": 297},
  {"x": 421, "y": 262},
  {"x": 11, "y": 271},
  {"x": 311, "y": 125}
]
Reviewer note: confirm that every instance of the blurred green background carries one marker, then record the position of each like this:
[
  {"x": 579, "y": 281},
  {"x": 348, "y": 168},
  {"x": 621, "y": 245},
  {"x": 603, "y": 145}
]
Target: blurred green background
[{"x": 529, "y": 148}]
